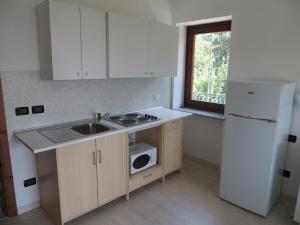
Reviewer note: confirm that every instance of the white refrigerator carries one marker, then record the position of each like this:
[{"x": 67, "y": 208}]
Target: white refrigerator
[{"x": 257, "y": 124}]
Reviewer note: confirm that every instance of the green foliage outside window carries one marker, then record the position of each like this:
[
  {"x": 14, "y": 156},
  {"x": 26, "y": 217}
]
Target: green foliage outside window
[{"x": 211, "y": 67}]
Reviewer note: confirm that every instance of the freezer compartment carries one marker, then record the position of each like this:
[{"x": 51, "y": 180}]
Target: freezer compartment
[
  {"x": 253, "y": 99},
  {"x": 246, "y": 164}
]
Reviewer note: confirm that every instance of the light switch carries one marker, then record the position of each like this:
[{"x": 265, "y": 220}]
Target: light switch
[{"x": 157, "y": 98}]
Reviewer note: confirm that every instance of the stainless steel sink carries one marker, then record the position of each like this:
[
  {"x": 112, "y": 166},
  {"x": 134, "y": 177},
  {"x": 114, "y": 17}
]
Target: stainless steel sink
[
  {"x": 90, "y": 128},
  {"x": 73, "y": 130}
]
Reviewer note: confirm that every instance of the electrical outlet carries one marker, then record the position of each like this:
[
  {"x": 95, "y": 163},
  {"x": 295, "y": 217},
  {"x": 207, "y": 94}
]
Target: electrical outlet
[
  {"x": 292, "y": 138},
  {"x": 286, "y": 173},
  {"x": 157, "y": 98},
  {"x": 30, "y": 182},
  {"x": 37, "y": 109},
  {"x": 20, "y": 111}
]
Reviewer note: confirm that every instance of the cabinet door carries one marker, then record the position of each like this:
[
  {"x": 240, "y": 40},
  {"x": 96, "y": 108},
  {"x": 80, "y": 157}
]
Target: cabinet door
[
  {"x": 93, "y": 38},
  {"x": 65, "y": 41},
  {"x": 128, "y": 46},
  {"x": 77, "y": 176},
  {"x": 111, "y": 167},
  {"x": 163, "y": 55},
  {"x": 172, "y": 132}
]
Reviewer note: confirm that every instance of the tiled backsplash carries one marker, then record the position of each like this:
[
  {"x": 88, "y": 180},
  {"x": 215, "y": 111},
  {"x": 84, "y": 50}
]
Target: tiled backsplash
[{"x": 73, "y": 100}]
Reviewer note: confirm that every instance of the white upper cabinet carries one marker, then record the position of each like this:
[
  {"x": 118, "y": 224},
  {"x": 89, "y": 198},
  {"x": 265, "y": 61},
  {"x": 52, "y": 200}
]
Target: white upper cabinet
[
  {"x": 93, "y": 37},
  {"x": 73, "y": 44},
  {"x": 140, "y": 48},
  {"x": 163, "y": 51},
  {"x": 72, "y": 41},
  {"x": 65, "y": 41},
  {"x": 128, "y": 46}
]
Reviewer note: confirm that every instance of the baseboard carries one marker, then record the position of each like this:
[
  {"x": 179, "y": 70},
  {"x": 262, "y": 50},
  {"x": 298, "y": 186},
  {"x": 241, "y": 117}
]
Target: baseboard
[
  {"x": 291, "y": 200},
  {"x": 202, "y": 161},
  {"x": 28, "y": 207}
]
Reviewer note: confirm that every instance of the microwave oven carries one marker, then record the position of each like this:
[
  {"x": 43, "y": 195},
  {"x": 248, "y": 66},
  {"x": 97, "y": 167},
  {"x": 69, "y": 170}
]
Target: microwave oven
[{"x": 141, "y": 157}]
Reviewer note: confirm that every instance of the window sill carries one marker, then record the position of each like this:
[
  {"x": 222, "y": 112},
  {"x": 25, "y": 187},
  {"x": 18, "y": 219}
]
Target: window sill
[{"x": 218, "y": 116}]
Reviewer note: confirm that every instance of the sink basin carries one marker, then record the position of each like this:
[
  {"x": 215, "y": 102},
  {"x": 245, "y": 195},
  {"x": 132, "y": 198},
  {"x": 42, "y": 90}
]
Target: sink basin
[{"x": 90, "y": 128}]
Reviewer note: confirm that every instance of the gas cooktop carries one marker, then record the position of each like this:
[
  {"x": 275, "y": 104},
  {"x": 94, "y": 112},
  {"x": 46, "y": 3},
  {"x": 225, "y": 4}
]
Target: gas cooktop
[{"x": 132, "y": 119}]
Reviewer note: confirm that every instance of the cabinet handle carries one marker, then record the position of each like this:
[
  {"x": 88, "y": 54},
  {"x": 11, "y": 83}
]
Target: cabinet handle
[
  {"x": 86, "y": 73},
  {"x": 94, "y": 158},
  {"x": 100, "y": 156},
  {"x": 78, "y": 74},
  {"x": 146, "y": 73},
  {"x": 151, "y": 73},
  {"x": 149, "y": 175}
]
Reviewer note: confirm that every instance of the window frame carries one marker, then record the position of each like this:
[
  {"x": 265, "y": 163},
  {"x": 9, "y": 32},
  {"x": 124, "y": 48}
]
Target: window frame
[{"x": 191, "y": 32}]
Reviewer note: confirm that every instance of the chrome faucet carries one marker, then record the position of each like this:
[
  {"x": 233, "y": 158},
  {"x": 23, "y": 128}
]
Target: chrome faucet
[{"x": 98, "y": 116}]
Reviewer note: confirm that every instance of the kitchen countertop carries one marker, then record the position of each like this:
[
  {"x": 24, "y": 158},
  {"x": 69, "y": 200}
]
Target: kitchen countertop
[{"x": 38, "y": 143}]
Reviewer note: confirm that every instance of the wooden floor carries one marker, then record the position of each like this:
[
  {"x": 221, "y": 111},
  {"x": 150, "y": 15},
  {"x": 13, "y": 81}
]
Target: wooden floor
[{"x": 186, "y": 198}]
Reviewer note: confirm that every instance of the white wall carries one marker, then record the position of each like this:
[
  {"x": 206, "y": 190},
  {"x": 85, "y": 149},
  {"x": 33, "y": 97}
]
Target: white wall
[
  {"x": 22, "y": 86},
  {"x": 18, "y": 39},
  {"x": 291, "y": 186},
  {"x": 264, "y": 44},
  {"x": 202, "y": 138}
]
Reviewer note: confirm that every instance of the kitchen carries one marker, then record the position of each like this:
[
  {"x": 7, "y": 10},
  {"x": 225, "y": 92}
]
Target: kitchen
[{"x": 74, "y": 100}]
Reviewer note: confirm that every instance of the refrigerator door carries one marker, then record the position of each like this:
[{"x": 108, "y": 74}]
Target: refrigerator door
[
  {"x": 253, "y": 99},
  {"x": 246, "y": 163}
]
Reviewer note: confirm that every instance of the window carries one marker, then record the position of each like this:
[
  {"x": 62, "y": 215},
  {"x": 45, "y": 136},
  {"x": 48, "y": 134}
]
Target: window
[{"x": 207, "y": 59}]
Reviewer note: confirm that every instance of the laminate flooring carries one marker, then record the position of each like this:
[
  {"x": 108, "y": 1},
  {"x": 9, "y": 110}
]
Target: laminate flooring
[{"x": 186, "y": 198}]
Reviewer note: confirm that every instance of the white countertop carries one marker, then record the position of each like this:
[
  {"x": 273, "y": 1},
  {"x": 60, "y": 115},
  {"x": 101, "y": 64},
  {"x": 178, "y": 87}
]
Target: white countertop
[{"x": 38, "y": 143}]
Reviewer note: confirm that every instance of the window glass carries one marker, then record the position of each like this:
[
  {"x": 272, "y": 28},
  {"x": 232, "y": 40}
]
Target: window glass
[
  {"x": 207, "y": 61},
  {"x": 211, "y": 57}
]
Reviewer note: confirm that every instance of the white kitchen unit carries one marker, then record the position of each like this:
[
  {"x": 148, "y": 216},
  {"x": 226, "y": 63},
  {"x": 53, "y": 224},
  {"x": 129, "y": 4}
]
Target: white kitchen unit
[
  {"x": 163, "y": 51},
  {"x": 141, "y": 48},
  {"x": 72, "y": 41},
  {"x": 257, "y": 125},
  {"x": 297, "y": 210},
  {"x": 127, "y": 45},
  {"x": 93, "y": 42}
]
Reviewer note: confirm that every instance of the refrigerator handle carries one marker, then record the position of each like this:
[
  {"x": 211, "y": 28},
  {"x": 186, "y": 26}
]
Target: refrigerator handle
[{"x": 252, "y": 118}]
